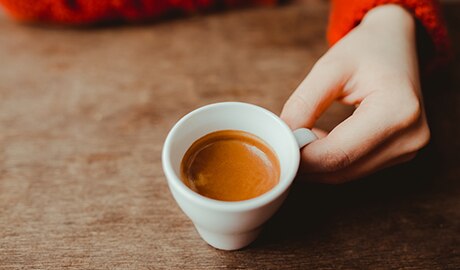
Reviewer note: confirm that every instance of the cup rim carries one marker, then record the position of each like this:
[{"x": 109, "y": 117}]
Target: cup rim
[{"x": 176, "y": 183}]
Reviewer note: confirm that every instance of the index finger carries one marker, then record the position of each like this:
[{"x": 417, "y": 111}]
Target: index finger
[
  {"x": 372, "y": 123},
  {"x": 316, "y": 92}
]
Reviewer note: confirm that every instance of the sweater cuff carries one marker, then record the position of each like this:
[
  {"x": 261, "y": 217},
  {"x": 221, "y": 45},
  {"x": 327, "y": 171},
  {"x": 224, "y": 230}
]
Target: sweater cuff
[{"x": 346, "y": 14}]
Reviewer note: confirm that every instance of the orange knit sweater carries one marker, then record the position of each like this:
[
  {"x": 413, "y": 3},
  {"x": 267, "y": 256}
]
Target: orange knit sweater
[{"x": 345, "y": 14}]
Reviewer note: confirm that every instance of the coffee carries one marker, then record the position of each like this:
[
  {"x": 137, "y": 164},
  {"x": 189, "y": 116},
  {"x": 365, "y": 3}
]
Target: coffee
[{"x": 230, "y": 165}]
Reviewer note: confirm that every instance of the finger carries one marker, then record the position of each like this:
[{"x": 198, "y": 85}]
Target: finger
[
  {"x": 396, "y": 150},
  {"x": 311, "y": 98},
  {"x": 372, "y": 123},
  {"x": 353, "y": 173},
  {"x": 319, "y": 133}
]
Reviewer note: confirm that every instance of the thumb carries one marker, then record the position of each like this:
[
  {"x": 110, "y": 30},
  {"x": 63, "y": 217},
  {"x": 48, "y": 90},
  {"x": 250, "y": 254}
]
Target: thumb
[{"x": 315, "y": 94}]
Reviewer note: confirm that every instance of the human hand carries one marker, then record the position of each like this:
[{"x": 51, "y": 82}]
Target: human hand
[{"x": 374, "y": 67}]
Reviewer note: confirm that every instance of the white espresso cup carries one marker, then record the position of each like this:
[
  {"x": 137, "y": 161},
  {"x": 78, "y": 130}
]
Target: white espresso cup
[{"x": 222, "y": 224}]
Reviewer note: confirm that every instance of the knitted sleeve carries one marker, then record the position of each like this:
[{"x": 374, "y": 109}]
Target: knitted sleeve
[
  {"x": 346, "y": 14},
  {"x": 77, "y": 12}
]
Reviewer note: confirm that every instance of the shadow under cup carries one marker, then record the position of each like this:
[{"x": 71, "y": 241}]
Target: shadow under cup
[{"x": 222, "y": 224}]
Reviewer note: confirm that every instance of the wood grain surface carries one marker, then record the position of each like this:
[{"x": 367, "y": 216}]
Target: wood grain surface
[{"x": 84, "y": 113}]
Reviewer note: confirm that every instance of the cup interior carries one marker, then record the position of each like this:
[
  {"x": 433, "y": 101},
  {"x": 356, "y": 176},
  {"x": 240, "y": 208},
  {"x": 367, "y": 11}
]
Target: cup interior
[{"x": 235, "y": 116}]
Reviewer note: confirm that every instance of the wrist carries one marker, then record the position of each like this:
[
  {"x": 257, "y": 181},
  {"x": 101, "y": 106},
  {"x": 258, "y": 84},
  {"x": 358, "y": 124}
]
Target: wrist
[{"x": 386, "y": 16}]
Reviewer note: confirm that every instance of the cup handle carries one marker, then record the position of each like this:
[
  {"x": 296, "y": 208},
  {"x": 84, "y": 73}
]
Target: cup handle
[{"x": 304, "y": 136}]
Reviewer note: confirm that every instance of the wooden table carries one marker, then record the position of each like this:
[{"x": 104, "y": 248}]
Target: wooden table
[{"x": 84, "y": 113}]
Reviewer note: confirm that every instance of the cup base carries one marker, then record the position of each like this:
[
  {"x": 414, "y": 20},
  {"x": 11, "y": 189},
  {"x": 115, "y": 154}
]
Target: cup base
[{"x": 228, "y": 241}]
